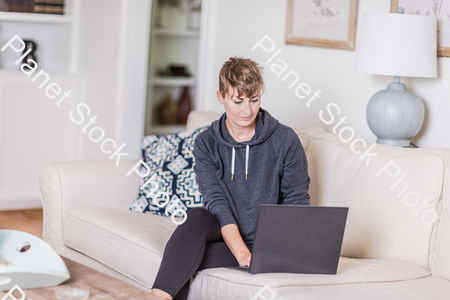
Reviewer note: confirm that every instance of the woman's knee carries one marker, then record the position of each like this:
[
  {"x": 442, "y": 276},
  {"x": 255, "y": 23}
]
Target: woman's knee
[
  {"x": 200, "y": 223},
  {"x": 200, "y": 215}
]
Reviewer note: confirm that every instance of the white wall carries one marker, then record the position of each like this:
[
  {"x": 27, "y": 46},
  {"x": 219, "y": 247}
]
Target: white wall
[
  {"x": 233, "y": 27},
  {"x": 113, "y": 55},
  {"x": 132, "y": 75},
  {"x": 102, "y": 57},
  {"x": 98, "y": 55}
]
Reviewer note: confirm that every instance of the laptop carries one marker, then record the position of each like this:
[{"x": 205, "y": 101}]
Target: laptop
[{"x": 297, "y": 239}]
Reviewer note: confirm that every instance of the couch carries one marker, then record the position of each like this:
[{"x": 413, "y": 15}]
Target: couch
[{"x": 396, "y": 243}]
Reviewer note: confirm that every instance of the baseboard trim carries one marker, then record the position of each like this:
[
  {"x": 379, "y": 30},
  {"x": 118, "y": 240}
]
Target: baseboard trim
[{"x": 20, "y": 203}]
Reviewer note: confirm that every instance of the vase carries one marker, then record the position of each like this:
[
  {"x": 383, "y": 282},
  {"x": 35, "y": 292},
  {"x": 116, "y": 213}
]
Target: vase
[
  {"x": 184, "y": 106},
  {"x": 193, "y": 19},
  {"x": 29, "y": 44},
  {"x": 167, "y": 111},
  {"x": 172, "y": 17}
]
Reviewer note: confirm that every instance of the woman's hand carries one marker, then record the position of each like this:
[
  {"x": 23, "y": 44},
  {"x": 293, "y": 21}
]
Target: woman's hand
[
  {"x": 232, "y": 237},
  {"x": 244, "y": 259}
]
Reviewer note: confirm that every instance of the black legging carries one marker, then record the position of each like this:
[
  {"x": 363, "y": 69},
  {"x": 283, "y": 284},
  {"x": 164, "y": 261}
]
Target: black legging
[{"x": 195, "y": 245}]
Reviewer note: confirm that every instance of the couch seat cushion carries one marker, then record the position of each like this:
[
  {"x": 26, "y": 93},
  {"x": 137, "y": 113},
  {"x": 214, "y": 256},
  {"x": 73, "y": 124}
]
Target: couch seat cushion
[
  {"x": 420, "y": 289},
  {"x": 128, "y": 242},
  {"x": 223, "y": 283}
]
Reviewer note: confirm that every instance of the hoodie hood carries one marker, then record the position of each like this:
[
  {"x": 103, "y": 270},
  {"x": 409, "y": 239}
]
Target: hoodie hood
[{"x": 265, "y": 126}]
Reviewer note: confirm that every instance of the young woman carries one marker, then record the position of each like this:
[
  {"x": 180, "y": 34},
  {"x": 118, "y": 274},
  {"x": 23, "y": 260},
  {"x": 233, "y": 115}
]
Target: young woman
[{"x": 244, "y": 159}]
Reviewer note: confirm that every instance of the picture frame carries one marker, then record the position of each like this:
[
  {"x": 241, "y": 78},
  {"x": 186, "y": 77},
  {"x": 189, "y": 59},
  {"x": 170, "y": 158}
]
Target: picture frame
[
  {"x": 440, "y": 9},
  {"x": 322, "y": 23}
]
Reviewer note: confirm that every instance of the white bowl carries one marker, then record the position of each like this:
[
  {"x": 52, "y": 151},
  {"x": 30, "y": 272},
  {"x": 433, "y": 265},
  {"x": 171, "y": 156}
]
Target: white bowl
[{"x": 72, "y": 294}]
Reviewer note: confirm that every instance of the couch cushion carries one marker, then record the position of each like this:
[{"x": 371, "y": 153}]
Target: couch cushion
[
  {"x": 420, "y": 289},
  {"x": 380, "y": 224},
  {"x": 306, "y": 133},
  {"x": 197, "y": 119},
  {"x": 223, "y": 283},
  {"x": 126, "y": 241}
]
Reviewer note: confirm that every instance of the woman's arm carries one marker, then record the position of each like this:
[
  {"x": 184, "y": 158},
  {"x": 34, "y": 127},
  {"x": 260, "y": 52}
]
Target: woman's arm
[
  {"x": 215, "y": 200},
  {"x": 213, "y": 197},
  {"x": 232, "y": 237},
  {"x": 295, "y": 180}
]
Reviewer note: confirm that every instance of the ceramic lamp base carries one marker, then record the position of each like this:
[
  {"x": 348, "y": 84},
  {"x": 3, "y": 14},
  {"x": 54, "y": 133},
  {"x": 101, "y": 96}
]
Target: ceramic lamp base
[
  {"x": 398, "y": 143},
  {"x": 395, "y": 115}
]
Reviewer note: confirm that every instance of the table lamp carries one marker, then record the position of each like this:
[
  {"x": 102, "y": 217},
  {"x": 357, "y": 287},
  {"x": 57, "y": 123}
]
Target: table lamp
[{"x": 396, "y": 44}]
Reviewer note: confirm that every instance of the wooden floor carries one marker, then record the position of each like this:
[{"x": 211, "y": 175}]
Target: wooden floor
[
  {"x": 99, "y": 285},
  {"x": 24, "y": 220}
]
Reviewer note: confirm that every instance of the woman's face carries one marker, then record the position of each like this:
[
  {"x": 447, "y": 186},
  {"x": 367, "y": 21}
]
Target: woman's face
[{"x": 241, "y": 111}]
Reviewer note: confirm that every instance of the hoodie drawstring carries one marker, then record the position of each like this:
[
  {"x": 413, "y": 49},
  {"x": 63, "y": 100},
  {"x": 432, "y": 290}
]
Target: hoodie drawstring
[
  {"x": 246, "y": 160},
  {"x": 232, "y": 163},
  {"x": 233, "y": 158}
]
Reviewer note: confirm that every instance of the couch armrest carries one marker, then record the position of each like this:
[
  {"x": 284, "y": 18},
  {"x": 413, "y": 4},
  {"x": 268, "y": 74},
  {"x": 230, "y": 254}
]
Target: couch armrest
[{"x": 65, "y": 185}]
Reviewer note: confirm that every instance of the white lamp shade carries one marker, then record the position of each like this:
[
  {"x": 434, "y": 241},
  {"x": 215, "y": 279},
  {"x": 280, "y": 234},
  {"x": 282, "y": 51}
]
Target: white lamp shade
[{"x": 397, "y": 45}]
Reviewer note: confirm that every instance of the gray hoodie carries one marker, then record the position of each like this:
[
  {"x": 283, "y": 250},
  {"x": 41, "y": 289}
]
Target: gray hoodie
[{"x": 234, "y": 178}]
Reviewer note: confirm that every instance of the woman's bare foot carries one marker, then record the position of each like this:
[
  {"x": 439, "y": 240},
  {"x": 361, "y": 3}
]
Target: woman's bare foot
[{"x": 161, "y": 294}]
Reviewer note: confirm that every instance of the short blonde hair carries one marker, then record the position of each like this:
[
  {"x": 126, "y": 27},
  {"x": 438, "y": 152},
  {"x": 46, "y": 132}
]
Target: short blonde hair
[{"x": 243, "y": 75}]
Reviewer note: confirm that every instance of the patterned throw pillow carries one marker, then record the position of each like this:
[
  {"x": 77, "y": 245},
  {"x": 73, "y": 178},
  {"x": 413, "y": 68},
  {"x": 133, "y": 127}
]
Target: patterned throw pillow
[{"x": 171, "y": 158}]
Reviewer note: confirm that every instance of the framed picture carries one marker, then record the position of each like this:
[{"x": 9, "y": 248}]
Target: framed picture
[
  {"x": 322, "y": 23},
  {"x": 438, "y": 8}
]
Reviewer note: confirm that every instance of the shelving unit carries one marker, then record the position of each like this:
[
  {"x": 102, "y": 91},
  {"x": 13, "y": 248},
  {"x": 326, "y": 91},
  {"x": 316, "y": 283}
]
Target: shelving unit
[
  {"x": 53, "y": 34},
  {"x": 176, "y": 33},
  {"x": 167, "y": 129},
  {"x": 172, "y": 81},
  {"x": 27, "y": 115},
  {"x": 173, "y": 44},
  {"x": 34, "y": 18}
]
